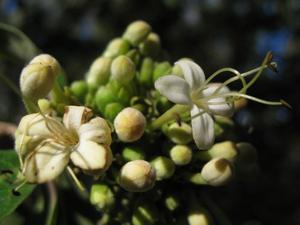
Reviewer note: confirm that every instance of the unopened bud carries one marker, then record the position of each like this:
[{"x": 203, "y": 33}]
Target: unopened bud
[
  {"x": 104, "y": 96},
  {"x": 44, "y": 105},
  {"x": 172, "y": 202},
  {"x": 137, "y": 32},
  {"x": 164, "y": 167},
  {"x": 99, "y": 71},
  {"x": 137, "y": 176},
  {"x": 180, "y": 133},
  {"x": 112, "y": 110},
  {"x": 133, "y": 153},
  {"x": 79, "y": 89},
  {"x": 122, "y": 69},
  {"x": 161, "y": 69},
  {"x": 145, "y": 75},
  {"x": 151, "y": 46},
  {"x": 134, "y": 55},
  {"x": 145, "y": 214},
  {"x": 199, "y": 216},
  {"x": 217, "y": 172},
  {"x": 38, "y": 77},
  {"x": 130, "y": 125},
  {"x": 116, "y": 47},
  {"x": 102, "y": 196},
  {"x": 181, "y": 154}
]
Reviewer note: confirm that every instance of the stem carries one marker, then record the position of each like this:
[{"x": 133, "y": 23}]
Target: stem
[
  {"x": 77, "y": 182},
  {"x": 51, "y": 215},
  {"x": 169, "y": 116}
]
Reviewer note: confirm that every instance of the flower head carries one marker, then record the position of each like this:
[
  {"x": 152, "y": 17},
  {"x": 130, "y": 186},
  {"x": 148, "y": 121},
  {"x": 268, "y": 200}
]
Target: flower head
[
  {"x": 46, "y": 144},
  {"x": 204, "y": 99}
]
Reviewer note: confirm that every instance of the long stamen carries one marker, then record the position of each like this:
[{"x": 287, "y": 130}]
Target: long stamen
[
  {"x": 77, "y": 182},
  {"x": 15, "y": 191}
]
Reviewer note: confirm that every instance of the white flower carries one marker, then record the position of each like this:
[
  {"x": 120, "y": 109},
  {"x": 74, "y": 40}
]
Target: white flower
[
  {"x": 204, "y": 99},
  {"x": 46, "y": 144}
]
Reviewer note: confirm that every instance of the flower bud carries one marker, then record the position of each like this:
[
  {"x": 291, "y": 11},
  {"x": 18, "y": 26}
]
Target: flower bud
[
  {"x": 172, "y": 202},
  {"x": 116, "y": 47},
  {"x": 104, "y": 96},
  {"x": 112, "y": 110},
  {"x": 151, "y": 46},
  {"x": 180, "y": 133},
  {"x": 217, "y": 172},
  {"x": 137, "y": 176},
  {"x": 79, "y": 89},
  {"x": 181, "y": 155},
  {"x": 44, "y": 105},
  {"x": 102, "y": 196},
  {"x": 134, "y": 55},
  {"x": 145, "y": 75},
  {"x": 132, "y": 153},
  {"x": 137, "y": 32},
  {"x": 38, "y": 77},
  {"x": 199, "y": 216},
  {"x": 145, "y": 214},
  {"x": 130, "y": 125},
  {"x": 122, "y": 69},
  {"x": 99, "y": 71},
  {"x": 164, "y": 167},
  {"x": 161, "y": 69}
]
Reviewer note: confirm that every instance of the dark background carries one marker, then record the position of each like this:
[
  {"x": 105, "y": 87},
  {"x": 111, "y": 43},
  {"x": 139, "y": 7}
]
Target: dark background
[{"x": 215, "y": 34}]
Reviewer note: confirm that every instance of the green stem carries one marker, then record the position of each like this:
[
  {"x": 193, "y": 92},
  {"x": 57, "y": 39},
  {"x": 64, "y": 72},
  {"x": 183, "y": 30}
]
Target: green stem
[
  {"x": 169, "y": 116},
  {"x": 51, "y": 215}
]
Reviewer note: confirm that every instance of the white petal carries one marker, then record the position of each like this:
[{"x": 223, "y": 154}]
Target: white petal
[
  {"x": 75, "y": 116},
  {"x": 91, "y": 156},
  {"x": 203, "y": 129},
  {"x": 174, "y": 88},
  {"x": 192, "y": 73},
  {"x": 46, "y": 162},
  {"x": 96, "y": 130},
  {"x": 218, "y": 106}
]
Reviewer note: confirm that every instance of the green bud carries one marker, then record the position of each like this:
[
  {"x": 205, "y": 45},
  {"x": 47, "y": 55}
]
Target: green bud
[
  {"x": 137, "y": 176},
  {"x": 122, "y": 69},
  {"x": 79, "y": 89},
  {"x": 151, "y": 46},
  {"x": 145, "y": 76},
  {"x": 180, "y": 133},
  {"x": 172, "y": 202},
  {"x": 38, "y": 77},
  {"x": 133, "y": 153},
  {"x": 102, "y": 196},
  {"x": 130, "y": 124},
  {"x": 134, "y": 55},
  {"x": 116, "y": 47},
  {"x": 217, "y": 172},
  {"x": 104, "y": 95},
  {"x": 44, "y": 105},
  {"x": 145, "y": 214},
  {"x": 112, "y": 110},
  {"x": 161, "y": 69},
  {"x": 181, "y": 155},
  {"x": 164, "y": 167},
  {"x": 99, "y": 71},
  {"x": 163, "y": 104},
  {"x": 137, "y": 32}
]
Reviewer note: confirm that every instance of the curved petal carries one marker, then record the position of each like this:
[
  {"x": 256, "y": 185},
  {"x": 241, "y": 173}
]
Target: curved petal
[
  {"x": 75, "y": 116},
  {"x": 174, "y": 88},
  {"x": 192, "y": 72},
  {"x": 218, "y": 105},
  {"x": 96, "y": 130},
  {"x": 203, "y": 128},
  {"x": 46, "y": 162},
  {"x": 91, "y": 156}
]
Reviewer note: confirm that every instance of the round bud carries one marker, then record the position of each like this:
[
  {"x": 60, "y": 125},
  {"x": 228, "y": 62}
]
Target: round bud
[
  {"x": 181, "y": 154},
  {"x": 137, "y": 176},
  {"x": 180, "y": 133},
  {"x": 38, "y": 77},
  {"x": 145, "y": 214},
  {"x": 44, "y": 105},
  {"x": 102, "y": 196},
  {"x": 172, "y": 202},
  {"x": 99, "y": 71},
  {"x": 112, "y": 110},
  {"x": 122, "y": 69},
  {"x": 161, "y": 69},
  {"x": 199, "y": 216},
  {"x": 137, "y": 32},
  {"x": 79, "y": 89},
  {"x": 164, "y": 167},
  {"x": 151, "y": 46},
  {"x": 217, "y": 172},
  {"x": 226, "y": 150},
  {"x": 116, "y": 47},
  {"x": 130, "y": 124}
]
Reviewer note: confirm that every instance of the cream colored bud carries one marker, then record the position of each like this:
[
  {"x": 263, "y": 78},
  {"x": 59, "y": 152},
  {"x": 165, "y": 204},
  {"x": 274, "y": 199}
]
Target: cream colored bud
[
  {"x": 181, "y": 154},
  {"x": 99, "y": 71},
  {"x": 199, "y": 216},
  {"x": 226, "y": 150},
  {"x": 116, "y": 47},
  {"x": 217, "y": 172},
  {"x": 122, "y": 69},
  {"x": 137, "y": 32},
  {"x": 137, "y": 176},
  {"x": 180, "y": 133},
  {"x": 164, "y": 167},
  {"x": 38, "y": 77},
  {"x": 130, "y": 124}
]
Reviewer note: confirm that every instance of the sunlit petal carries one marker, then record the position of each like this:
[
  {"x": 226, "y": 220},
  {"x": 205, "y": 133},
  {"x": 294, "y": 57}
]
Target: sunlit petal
[{"x": 75, "y": 116}]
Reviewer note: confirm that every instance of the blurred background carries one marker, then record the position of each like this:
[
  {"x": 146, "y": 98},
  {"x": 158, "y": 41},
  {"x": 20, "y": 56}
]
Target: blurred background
[{"x": 215, "y": 34}]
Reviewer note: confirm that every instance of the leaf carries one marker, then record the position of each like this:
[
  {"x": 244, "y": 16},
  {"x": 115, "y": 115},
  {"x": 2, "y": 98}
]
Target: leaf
[{"x": 9, "y": 167}]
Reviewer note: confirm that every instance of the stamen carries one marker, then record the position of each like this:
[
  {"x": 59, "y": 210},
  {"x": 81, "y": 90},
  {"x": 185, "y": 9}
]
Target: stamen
[
  {"x": 15, "y": 191},
  {"x": 77, "y": 182}
]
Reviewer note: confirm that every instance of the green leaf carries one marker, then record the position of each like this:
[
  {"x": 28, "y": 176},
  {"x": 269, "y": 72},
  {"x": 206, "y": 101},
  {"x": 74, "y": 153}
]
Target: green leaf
[{"x": 9, "y": 167}]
